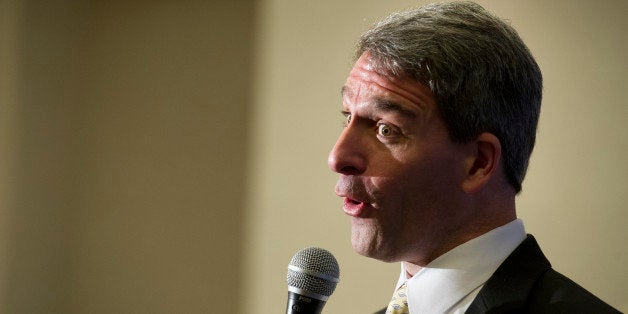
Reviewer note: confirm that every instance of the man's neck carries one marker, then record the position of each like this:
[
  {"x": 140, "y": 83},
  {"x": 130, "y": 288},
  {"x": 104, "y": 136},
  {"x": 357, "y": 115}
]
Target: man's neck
[{"x": 412, "y": 268}]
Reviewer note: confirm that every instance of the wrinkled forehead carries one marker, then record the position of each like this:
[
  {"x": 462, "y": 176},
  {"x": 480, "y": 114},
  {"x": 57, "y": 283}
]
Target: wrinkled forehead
[
  {"x": 368, "y": 73},
  {"x": 367, "y": 63}
]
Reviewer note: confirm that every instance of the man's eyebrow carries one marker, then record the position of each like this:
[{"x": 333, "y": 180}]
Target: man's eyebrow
[
  {"x": 386, "y": 105},
  {"x": 383, "y": 105}
]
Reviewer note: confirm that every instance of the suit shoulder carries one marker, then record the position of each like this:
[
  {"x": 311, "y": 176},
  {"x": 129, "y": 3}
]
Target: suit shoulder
[{"x": 555, "y": 293}]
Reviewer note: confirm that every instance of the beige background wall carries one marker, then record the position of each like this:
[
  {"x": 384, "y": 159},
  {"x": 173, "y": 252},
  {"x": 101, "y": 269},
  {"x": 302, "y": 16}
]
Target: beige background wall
[
  {"x": 123, "y": 161},
  {"x": 162, "y": 156}
]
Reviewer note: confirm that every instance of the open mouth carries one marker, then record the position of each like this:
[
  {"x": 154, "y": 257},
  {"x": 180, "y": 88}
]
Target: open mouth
[
  {"x": 354, "y": 202},
  {"x": 354, "y": 207}
]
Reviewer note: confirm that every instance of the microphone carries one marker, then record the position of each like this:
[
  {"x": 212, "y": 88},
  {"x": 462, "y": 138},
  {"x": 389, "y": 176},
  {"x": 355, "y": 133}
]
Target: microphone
[{"x": 312, "y": 277}]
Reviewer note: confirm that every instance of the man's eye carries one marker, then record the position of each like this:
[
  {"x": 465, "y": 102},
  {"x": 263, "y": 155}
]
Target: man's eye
[
  {"x": 385, "y": 130},
  {"x": 347, "y": 119}
]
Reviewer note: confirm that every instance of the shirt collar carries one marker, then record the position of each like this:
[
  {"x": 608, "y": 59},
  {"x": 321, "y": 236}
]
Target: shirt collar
[{"x": 445, "y": 281}]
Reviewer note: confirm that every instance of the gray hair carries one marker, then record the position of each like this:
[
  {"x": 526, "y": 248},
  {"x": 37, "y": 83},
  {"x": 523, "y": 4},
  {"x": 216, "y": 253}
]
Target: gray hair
[{"x": 482, "y": 74}]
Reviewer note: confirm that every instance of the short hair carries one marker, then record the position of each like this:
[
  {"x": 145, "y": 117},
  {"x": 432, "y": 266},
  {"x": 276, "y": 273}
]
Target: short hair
[{"x": 483, "y": 76}]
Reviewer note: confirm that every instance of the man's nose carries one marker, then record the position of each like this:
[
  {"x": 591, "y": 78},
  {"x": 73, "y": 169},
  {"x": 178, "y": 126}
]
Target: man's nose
[{"x": 348, "y": 156}]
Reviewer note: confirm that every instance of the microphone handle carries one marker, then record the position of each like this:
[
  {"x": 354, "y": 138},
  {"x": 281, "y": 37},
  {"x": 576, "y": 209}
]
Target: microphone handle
[{"x": 300, "y": 304}]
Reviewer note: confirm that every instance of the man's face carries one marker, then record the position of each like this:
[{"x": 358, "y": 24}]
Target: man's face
[{"x": 400, "y": 174}]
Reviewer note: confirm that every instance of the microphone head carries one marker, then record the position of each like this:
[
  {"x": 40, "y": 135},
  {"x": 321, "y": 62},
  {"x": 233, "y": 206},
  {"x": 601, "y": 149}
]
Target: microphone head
[{"x": 313, "y": 272}]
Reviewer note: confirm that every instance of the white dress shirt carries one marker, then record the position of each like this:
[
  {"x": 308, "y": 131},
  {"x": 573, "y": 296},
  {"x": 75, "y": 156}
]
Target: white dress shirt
[{"x": 450, "y": 282}]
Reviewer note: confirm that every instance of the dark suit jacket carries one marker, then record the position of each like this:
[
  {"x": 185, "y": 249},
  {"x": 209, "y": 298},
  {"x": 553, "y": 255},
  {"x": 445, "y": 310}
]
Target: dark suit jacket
[{"x": 526, "y": 283}]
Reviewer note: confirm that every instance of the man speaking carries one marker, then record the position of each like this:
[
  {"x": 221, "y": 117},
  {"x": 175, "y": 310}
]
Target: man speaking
[{"x": 441, "y": 111}]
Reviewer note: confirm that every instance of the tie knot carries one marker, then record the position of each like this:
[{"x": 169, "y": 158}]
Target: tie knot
[{"x": 399, "y": 302}]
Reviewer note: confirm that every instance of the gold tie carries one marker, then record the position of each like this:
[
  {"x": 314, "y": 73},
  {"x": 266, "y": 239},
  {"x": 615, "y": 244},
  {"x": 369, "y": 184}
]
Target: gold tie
[{"x": 399, "y": 302}]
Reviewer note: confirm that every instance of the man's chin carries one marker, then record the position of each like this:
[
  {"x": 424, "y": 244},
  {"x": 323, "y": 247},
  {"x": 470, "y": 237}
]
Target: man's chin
[
  {"x": 375, "y": 250},
  {"x": 379, "y": 256},
  {"x": 362, "y": 247},
  {"x": 372, "y": 249}
]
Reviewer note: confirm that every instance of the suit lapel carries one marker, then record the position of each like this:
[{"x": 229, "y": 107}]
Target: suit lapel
[{"x": 508, "y": 288}]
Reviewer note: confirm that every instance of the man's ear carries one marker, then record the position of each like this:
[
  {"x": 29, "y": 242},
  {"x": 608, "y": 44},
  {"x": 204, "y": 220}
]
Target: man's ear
[{"x": 483, "y": 162}]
